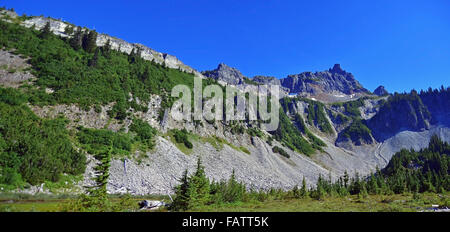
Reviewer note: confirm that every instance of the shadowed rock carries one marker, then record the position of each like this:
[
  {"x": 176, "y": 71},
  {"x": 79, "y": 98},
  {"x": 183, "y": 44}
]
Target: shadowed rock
[
  {"x": 225, "y": 73},
  {"x": 381, "y": 91}
]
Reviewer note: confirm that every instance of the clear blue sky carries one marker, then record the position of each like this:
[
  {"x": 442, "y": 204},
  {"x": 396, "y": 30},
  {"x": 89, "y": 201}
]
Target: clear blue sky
[{"x": 399, "y": 44}]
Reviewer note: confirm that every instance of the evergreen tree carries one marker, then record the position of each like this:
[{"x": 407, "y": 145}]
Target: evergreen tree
[
  {"x": 97, "y": 200},
  {"x": 304, "y": 190},
  {"x": 346, "y": 178},
  {"x": 106, "y": 49},
  {"x": 93, "y": 62},
  {"x": 373, "y": 185},
  {"x": 198, "y": 187},
  {"x": 319, "y": 193},
  {"x": 46, "y": 31},
  {"x": 102, "y": 173},
  {"x": 181, "y": 201},
  {"x": 90, "y": 41},
  {"x": 77, "y": 39},
  {"x": 235, "y": 190},
  {"x": 296, "y": 192}
]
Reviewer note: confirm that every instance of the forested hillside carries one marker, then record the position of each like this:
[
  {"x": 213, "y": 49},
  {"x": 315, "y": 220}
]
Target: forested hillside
[{"x": 32, "y": 149}]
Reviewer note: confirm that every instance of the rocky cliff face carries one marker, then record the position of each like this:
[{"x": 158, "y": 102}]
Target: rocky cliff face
[
  {"x": 333, "y": 81},
  {"x": 266, "y": 80},
  {"x": 438, "y": 103},
  {"x": 226, "y": 74}
]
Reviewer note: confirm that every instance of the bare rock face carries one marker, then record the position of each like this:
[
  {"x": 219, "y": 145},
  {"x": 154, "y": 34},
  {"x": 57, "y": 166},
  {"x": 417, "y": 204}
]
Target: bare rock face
[
  {"x": 380, "y": 91},
  {"x": 266, "y": 80},
  {"x": 226, "y": 74},
  {"x": 334, "y": 81},
  {"x": 12, "y": 69}
]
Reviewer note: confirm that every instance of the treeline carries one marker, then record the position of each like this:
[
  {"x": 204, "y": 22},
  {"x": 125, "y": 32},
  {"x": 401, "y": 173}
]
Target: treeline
[
  {"x": 436, "y": 100},
  {"x": 411, "y": 171},
  {"x": 400, "y": 111},
  {"x": 426, "y": 170}
]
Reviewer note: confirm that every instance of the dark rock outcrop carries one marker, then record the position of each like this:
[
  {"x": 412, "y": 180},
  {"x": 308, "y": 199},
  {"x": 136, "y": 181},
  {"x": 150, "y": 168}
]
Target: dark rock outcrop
[
  {"x": 266, "y": 80},
  {"x": 400, "y": 112},
  {"x": 332, "y": 80},
  {"x": 225, "y": 73},
  {"x": 438, "y": 103},
  {"x": 380, "y": 91}
]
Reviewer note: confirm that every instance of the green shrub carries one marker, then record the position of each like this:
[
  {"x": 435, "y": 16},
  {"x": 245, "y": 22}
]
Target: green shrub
[
  {"x": 357, "y": 132},
  {"x": 280, "y": 151},
  {"x": 33, "y": 149},
  {"x": 95, "y": 141},
  {"x": 290, "y": 136},
  {"x": 244, "y": 149},
  {"x": 144, "y": 132},
  {"x": 253, "y": 131},
  {"x": 181, "y": 136}
]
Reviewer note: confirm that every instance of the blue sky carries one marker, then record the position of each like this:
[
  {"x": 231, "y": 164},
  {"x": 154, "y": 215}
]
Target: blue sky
[{"x": 399, "y": 44}]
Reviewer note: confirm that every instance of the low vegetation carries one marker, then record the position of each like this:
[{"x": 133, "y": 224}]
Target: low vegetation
[
  {"x": 290, "y": 136},
  {"x": 315, "y": 142},
  {"x": 33, "y": 150},
  {"x": 357, "y": 132},
  {"x": 279, "y": 150},
  {"x": 96, "y": 141},
  {"x": 351, "y": 108}
]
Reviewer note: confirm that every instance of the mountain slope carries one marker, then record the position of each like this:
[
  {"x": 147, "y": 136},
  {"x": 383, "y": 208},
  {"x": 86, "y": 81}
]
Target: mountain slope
[{"x": 109, "y": 90}]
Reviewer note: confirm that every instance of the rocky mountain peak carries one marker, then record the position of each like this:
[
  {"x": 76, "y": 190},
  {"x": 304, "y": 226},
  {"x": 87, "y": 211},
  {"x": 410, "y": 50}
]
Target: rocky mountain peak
[
  {"x": 336, "y": 69},
  {"x": 380, "y": 91},
  {"x": 225, "y": 73},
  {"x": 328, "y": 84}
]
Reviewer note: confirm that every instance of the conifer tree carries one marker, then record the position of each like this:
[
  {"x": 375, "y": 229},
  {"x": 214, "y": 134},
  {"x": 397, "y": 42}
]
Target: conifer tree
[
  {"x": 303, "y": 190},
  {"x": 181, "y": 201},
  {"x": 235, "y": 190},
  {"x": 102, "y": 173},
  {"x": 77, "y": 39},
  {"x": 199, "y": 186},
  {"x": 106, "y": 49},
  {"x": 373, "y": 185},
  {"x": 46, "y": 31},
  {"x": 93, "y": 62},
  {"x": 90, "y": 41},
  {"x": 346, "y": 179}
]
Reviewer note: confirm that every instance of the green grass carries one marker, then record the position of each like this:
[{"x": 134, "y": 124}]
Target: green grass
[
  {"x": 373, "y": 203},
  {"x": 180, "y": 145},
  {"x": 65, "y": 183},
  {"x": 218, "y": 143},
  {"x": 50, "y": 203},
  {"x": 244, "y": 149}
]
